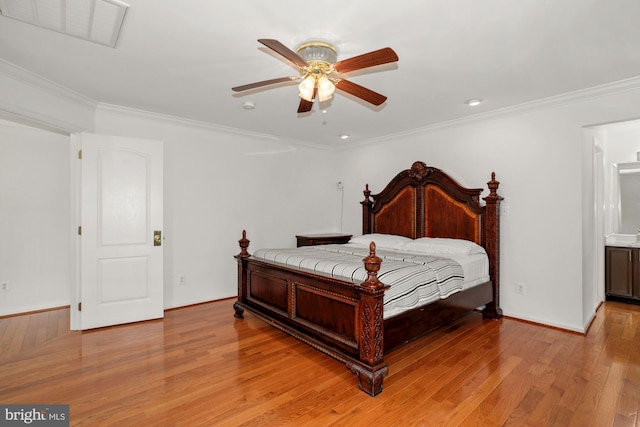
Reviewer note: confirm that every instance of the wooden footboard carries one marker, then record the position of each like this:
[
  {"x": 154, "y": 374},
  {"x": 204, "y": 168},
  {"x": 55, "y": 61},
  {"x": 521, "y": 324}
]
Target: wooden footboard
[{"x": 342, "y": 319}]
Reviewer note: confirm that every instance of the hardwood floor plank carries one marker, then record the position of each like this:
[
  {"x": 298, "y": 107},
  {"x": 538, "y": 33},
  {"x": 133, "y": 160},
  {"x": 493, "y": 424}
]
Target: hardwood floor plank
[
  {"x": 607, "y": 403},
  {"x": 476, "y": 395},
  {"x": 628, "y": 404},
  {"x": 527, "y": 405},
  {"x": 498, "y": 405},
  {"x": 17, "y": 335}
]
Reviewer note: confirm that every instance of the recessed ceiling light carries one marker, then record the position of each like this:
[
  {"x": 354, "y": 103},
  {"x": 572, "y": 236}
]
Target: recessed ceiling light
[
  {"x": 474, "y": 102},
  {"x": 344, "y": 136},
  {"x": 248, "y": 105}
]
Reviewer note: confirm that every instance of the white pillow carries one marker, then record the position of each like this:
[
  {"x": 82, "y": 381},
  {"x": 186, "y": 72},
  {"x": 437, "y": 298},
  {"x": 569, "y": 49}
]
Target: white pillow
[
  {"x": 439, "y": 245},
  {"x": 386, "y": 241}
]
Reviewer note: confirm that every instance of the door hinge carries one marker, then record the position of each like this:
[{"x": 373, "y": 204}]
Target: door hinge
[
  {"x": 79, "y": 230},
  {"x": 80, "y": 154},
  {"x": 79, "y": 306}
]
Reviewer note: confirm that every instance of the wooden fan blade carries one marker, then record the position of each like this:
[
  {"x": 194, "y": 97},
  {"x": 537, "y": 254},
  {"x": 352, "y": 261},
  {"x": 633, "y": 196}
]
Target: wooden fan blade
[
  {"x": 377, "y": 57},
  {"x": 278, "y": 47},
  {"x": 305, "y": 106},
  {"x": 361, "y": 92},
  {"x": 263, "y": 83}
]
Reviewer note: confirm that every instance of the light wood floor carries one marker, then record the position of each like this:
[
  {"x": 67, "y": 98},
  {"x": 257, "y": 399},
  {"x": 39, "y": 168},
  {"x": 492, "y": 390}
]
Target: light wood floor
[{"x": 201, "y": 366}]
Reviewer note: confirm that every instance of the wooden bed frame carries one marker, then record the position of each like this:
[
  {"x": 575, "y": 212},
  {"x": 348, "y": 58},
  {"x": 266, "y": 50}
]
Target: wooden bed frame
[{"x": 345, "y": 320}]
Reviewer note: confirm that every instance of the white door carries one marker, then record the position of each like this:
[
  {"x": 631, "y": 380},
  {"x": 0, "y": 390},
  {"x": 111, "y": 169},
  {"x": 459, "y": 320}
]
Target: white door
[{"x": 121, "y": 252}]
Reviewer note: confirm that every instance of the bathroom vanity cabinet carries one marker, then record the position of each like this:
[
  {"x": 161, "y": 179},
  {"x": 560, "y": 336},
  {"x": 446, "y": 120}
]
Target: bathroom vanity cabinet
[{"x": 622, "y": 272}]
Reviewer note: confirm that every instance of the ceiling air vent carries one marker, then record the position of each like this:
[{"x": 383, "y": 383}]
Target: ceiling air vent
[{"x": 98, "y": 21}]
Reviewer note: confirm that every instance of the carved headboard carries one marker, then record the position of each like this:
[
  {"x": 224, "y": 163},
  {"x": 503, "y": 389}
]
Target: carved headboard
[{"x": 424, "y": 202}]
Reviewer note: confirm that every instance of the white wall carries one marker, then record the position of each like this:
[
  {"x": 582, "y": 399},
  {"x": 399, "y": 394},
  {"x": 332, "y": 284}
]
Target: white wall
[
  {"x": 537, "y": 157},
  {"x": 218, "y": 183},
  {"x": 34, "y": 218}
]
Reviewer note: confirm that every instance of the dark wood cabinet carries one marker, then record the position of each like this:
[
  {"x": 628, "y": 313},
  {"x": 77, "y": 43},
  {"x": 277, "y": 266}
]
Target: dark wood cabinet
[
  {"x": 622, "y": 272},
  {"x": 322, "y": 239}
]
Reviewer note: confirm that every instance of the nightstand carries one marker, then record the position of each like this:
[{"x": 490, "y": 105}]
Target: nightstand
[{"x": 322, "y": 239}]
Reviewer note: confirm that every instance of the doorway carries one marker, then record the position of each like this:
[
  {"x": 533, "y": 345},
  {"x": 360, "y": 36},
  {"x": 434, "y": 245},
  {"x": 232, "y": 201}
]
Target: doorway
[{"x": 118, "y": 244}]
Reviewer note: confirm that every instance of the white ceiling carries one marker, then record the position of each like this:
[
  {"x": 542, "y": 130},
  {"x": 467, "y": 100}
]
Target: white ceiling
[{"x": 181, "y": 58}]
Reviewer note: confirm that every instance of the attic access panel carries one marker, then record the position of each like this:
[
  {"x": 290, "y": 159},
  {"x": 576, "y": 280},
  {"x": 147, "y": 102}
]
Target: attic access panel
[{"x": 98, "y": 21}]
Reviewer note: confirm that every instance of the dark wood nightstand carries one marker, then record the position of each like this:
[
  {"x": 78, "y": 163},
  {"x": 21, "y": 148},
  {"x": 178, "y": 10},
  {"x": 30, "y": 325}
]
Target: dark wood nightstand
[{"x": 322, "y": 239}]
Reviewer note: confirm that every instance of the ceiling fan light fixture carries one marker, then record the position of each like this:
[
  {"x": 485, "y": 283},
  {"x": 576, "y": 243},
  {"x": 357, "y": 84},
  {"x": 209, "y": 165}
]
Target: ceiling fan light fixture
[
  {"x": 320, "y": 56},
  {"x": 306, "y": 88},
  {"x": 325, "y": 88}
]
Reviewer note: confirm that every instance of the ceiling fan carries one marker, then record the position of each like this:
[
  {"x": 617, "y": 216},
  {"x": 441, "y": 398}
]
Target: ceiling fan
[{"x": 321, "y": 75}]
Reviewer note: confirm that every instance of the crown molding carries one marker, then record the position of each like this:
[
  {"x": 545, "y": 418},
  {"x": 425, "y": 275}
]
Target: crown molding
[
  {"x": 34, "y": 119},
  {"x": 620, "y": 86},
  {"x": 117, "y": 109},
  {"x": 31, "y": 79}
]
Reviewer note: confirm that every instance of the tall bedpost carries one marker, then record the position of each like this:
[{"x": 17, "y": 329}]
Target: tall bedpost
[
  {"x": 372, "y": 369},
  {"x": 241, "y": 258},
  {"x": 492, "y": 242},
  {"x": 367, "y": 204}
]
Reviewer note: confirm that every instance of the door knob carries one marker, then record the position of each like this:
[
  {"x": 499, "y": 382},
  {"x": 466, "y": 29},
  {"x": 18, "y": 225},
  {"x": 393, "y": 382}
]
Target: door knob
[{"x": 157, "y": 238}]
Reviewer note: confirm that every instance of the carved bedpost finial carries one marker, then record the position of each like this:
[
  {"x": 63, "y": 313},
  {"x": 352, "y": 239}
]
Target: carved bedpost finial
[
  {"x": 244, "y": 244},
  {"x": 367, "y": 206},
  {"x": 372, "y": 265},
  {"x": 493, "y": 187},
  {"x": 367, "y": 193}
]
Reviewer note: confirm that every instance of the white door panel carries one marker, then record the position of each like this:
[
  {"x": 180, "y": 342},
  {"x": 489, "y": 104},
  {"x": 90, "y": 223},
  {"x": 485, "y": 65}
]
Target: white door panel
[
  {"x": 121, "y": 208},
  {"x": 123, "y": 197}
]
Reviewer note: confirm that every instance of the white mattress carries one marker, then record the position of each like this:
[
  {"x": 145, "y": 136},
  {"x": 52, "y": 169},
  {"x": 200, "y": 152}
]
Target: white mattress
[{"x": 475, "y": 267}]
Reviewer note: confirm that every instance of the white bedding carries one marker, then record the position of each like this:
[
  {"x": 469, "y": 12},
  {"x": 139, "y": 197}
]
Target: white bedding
[{"x": 414, "y": 278}]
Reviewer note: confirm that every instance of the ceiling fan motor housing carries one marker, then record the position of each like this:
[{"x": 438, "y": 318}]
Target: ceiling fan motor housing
[{"x": 318, "y": 52}]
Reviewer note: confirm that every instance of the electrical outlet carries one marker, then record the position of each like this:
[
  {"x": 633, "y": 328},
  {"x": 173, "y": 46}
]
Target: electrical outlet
[
  {"x": 4, "y": 286},
  {"x": 181, "y": 280},
  {"x": 339, "y": 185},
  {"x": 520, "y": 288}
]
